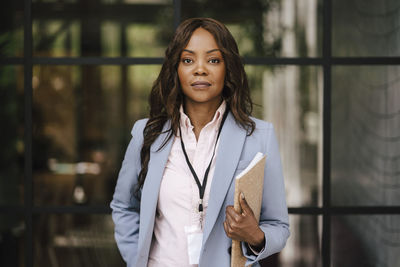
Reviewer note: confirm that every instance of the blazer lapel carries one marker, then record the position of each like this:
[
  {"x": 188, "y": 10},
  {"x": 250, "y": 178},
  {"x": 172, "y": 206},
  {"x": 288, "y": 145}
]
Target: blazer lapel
[
  {"x": 151, "y": 188},
  {"x": 229, "y": 150},
  {"x": 158, "y": 159}
]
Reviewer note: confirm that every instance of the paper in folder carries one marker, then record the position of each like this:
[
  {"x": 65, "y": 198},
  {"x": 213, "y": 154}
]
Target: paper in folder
[{"x": 250, "y": 181}]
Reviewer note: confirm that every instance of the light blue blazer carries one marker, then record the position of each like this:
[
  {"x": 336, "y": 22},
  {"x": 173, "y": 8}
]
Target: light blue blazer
[{"x": 134, "y": 220}]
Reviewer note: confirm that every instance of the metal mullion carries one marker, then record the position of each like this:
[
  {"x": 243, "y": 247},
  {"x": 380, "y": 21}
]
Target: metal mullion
[
  {"x": 17, "y": 209},
  {"x": 28, "y": 132},
  {"x": 246, "y": 60},
  {"x": 97, "y": 61},
  {"x": 306, "y": 210},
  {"x": 346, "y": 210},
  {"x": 370, "y": 210},
  {"x": 160, "y": 60},
  {"x": 282, "y": 61},
  {"x": 177, "y": 13},
  {"x": 366, "y": 61},
  {"x": 11, "y": 61},
  {"x": 326, "y": 169},
  {"x": 124, "y": 88},
  {"x": 103, "y": 209}
]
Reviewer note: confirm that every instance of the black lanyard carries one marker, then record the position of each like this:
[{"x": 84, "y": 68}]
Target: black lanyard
[{"x": 202, "y": 187}]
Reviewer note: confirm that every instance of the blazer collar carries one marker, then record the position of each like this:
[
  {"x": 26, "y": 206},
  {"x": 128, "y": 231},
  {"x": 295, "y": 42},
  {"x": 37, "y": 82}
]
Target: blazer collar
[{"x": 229, "y": 150}]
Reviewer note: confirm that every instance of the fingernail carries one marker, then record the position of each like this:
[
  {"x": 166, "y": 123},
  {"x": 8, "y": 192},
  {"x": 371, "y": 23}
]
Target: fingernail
[{"x": 242, "y": 195}]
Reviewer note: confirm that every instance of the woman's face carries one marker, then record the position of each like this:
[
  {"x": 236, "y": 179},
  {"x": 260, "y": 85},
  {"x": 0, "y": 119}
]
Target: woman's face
[{"x": 201, "y": 70}]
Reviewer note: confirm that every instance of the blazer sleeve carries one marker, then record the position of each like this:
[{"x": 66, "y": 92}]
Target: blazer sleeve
[
  {"x": 125, "y": 207},
  {"x": 274, "y": 219}
]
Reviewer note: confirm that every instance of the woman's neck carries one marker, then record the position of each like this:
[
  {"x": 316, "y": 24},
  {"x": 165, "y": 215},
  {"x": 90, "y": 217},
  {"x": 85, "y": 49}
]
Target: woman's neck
[{"x": 200, "y": 114}]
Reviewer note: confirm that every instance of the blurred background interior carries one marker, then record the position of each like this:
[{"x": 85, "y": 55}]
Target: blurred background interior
[{"x": 75, "y": 75}]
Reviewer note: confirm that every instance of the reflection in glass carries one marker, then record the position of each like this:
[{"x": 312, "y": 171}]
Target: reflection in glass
[
  {"x": 101, "y": 28},
  {"x": 291, "y": 98},
  {"x": 282, "y": 28},
  {"x": 11, "y": 28},
  {"x": 366, "y": 135},
  {"x": 54, "y": 37},
  {"x": 76, "y": 128},
  {"x": 82, "y": 117},
  {"x": 11, "y": 134},
  {"x": 146, "y": 40},
  {"x": 12, "y": 235},
  {"x": 75, "y": 240},
  {"x": 110, "y": 39},
  {"x": 140, "y": 81},
  {"x": 366, "y": 28},
  {"x": 365, "y": 240}
]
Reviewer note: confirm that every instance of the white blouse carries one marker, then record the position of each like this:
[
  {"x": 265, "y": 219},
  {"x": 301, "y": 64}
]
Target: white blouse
[{"x": 178, "y": 198}]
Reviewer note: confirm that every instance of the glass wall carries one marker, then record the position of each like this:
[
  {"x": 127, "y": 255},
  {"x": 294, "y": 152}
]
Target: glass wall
[
  {"x": 94, "y": 28},
  {"x": 83, "y": 114},
  {"x": 11, "y": 135},
  {"x": 366, "y": 135},
  {"x": 353, "y": 245},
  {"x": 12, "y": 28},
  {"x": 75, "y": 240},
  {"x": 266, "y": 28},
  {"x": 365, "y": 28},
  {"x": 76, "y": 74}
]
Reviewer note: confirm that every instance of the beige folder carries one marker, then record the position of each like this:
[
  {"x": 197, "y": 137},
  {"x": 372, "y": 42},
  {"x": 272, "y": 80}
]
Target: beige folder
[{"x": 250, "y": 182}]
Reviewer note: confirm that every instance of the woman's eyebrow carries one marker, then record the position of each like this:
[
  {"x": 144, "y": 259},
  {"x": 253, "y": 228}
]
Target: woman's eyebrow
[{"x": 210, "y": 51}]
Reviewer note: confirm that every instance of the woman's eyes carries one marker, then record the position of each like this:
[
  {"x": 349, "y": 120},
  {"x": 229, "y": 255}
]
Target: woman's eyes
[
  {"x": 187, "y": 60},
  {"x": 212, "y": 61}
]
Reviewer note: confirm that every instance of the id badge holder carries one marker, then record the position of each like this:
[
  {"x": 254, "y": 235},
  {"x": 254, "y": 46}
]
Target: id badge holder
[{"x": 194, "y": 240}]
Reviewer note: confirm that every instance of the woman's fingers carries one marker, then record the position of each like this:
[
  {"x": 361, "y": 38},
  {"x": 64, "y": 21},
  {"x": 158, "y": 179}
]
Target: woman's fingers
[
  {"x": 226, "y": 228},
  {"x": 245, "y": 207},
  {"x": 232, "y": 214},
  {"x": 242, "y": 226}
]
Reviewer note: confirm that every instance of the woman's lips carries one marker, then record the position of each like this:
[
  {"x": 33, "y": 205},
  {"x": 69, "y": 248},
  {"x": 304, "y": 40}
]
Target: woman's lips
[{"x": 200, "y": 85}]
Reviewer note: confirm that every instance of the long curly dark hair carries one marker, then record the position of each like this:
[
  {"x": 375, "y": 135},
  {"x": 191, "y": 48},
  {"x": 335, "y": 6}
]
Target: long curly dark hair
[{"x": 166, "y": 95}]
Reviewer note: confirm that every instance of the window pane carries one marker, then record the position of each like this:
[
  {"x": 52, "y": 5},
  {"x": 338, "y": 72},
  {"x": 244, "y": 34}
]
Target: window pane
[
  {"x": 82, "y": 120},
  {"x": 11, "y": 134},
  {"x": 140, "y": 81},
  {"x": 102, "y": 28},
  {"x": 365, "y": 240},
  {"x": 303, "y": 248},
  {"x": 291, "y": 98},
  {"x": 266, "y": 28},
  {"x": 12, "y": 235},
  {"x": 366, "y": 28},
  {"x": 75, "y": 240},
  {"x": 365, "y": 135},
  {"x": 11, "y": 28}
]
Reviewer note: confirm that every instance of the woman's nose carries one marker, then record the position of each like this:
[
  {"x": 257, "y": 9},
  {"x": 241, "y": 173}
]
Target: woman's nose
[{"x": 200, "y": 68}]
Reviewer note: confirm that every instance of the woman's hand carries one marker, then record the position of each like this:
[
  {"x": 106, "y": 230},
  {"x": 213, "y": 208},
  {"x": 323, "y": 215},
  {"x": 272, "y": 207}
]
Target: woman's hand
[{"x": 244, "y": 226}]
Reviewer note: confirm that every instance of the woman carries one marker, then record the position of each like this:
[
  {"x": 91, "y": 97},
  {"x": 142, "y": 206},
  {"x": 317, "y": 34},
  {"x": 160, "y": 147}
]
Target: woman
[{"x": 172, "y": 205}]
